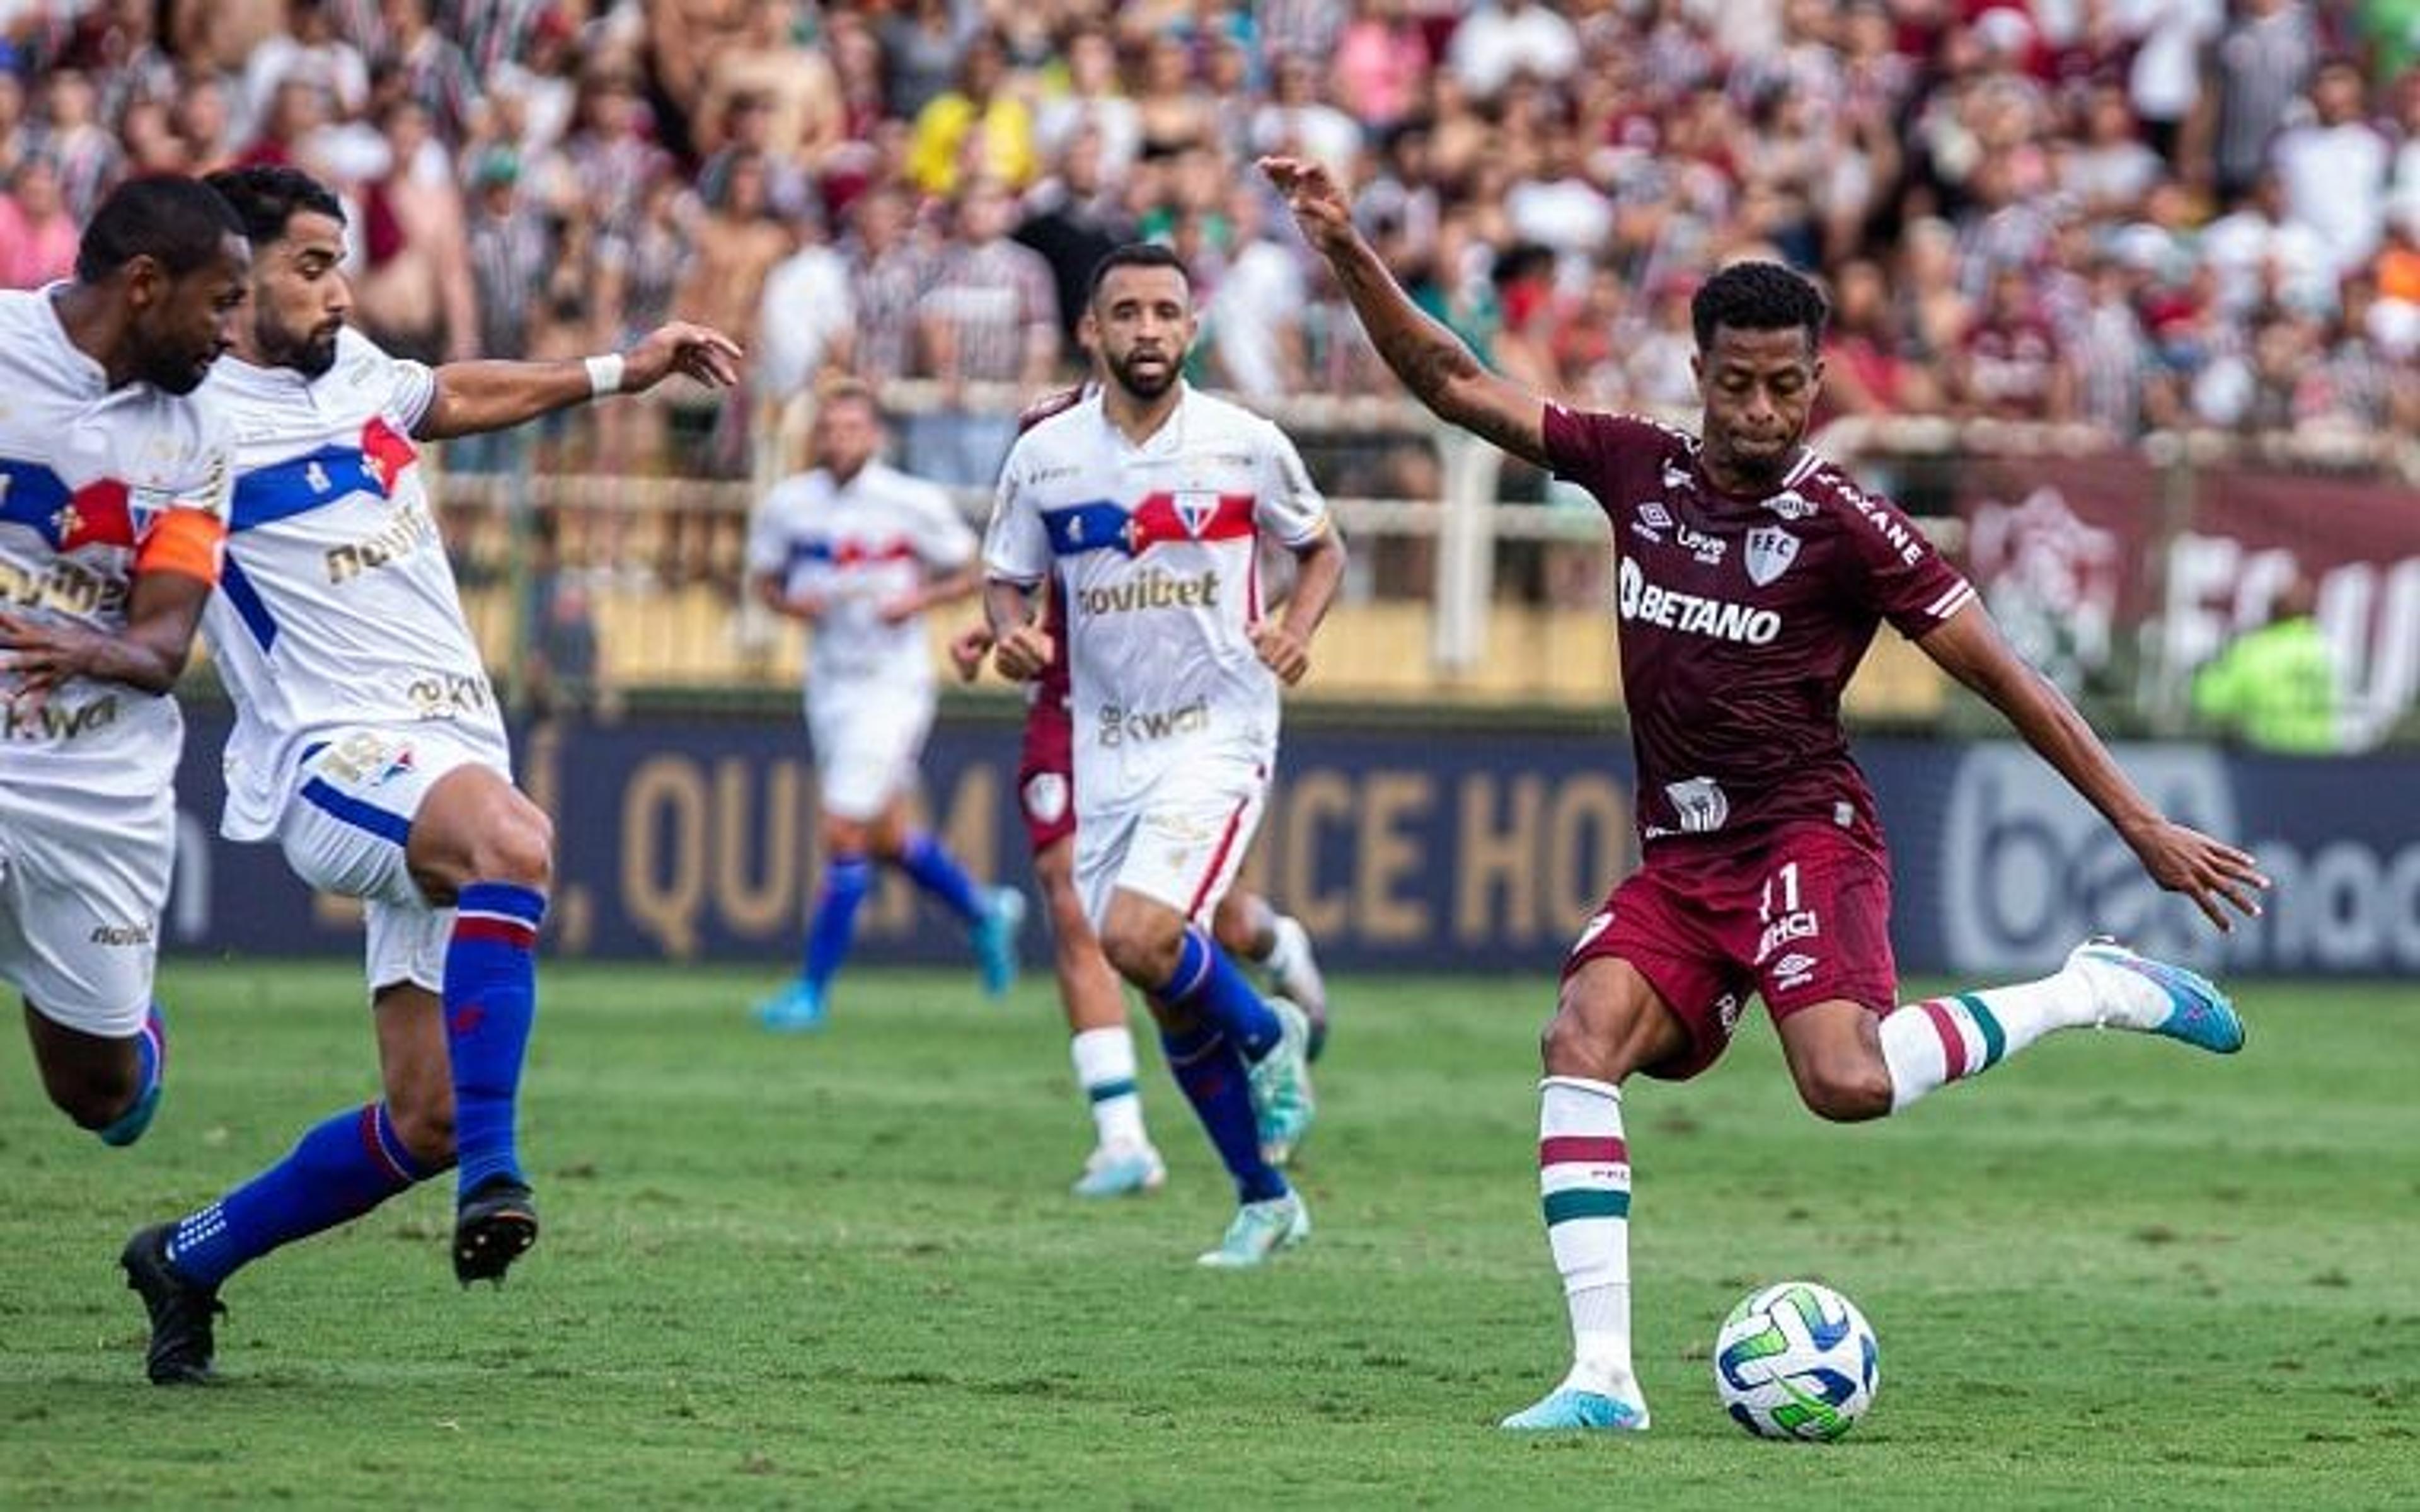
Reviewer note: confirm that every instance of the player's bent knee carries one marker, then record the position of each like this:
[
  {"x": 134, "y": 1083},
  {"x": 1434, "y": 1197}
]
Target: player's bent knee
[
  {"x": 1144, "y": 956},
  {"x": 1567, "y": 1048},
  {"x": 1846, "y": 1093},
  {"x": 520, "y": 851}
]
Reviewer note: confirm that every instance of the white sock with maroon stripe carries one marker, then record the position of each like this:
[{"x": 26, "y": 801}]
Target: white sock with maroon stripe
[
  {"x": 1944, "y": 1040},
  {"x": 1584, "y": 1186}
]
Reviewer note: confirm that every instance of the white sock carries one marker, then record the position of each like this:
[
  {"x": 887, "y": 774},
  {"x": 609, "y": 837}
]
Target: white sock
[
  {"x": 1105, "y": 1068},
  {"x": 1944, "y": 1040},
  {"x": 1584, "y": 1186}
]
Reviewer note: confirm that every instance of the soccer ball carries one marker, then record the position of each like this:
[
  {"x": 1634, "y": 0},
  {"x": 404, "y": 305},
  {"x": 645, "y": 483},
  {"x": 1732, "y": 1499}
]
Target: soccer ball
[{"x": 1796, "y": 1361}]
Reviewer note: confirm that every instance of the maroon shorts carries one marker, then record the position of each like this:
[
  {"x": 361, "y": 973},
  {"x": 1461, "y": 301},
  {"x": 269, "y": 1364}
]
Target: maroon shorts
[
  {"x": 1046, "y": 777},
  {"x": 1800, "y": 915}
]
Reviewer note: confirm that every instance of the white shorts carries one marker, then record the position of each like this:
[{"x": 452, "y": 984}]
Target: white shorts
[
  {"x": 83, "y": 879},
  {"x": 1181, "y": 843},
  {"x": 346, "y": 829},
  {"x": 868, "y": 743}
]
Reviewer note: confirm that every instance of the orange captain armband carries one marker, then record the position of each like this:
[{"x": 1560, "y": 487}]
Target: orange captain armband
[{"x": 191, "y": 541}]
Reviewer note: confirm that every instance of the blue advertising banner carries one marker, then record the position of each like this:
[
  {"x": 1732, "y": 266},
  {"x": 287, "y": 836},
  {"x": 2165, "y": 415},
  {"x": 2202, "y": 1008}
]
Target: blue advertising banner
[{"x": 1474, "y": 850}]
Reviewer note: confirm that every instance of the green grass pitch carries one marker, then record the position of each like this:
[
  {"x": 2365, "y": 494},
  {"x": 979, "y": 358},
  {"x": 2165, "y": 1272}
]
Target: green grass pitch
[{"x": 843, "y": 1271}]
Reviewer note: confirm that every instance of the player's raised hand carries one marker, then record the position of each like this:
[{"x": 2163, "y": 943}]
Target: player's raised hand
[
  {"x": 699, "y": 352},
  {"x": 1023, "y": 653},
  {"x": 968, "y": 649},
  {"x": 2211, "y": 872},
  {"x": 1282, "y": 650},
  {"x": 1319, "y": 206}
]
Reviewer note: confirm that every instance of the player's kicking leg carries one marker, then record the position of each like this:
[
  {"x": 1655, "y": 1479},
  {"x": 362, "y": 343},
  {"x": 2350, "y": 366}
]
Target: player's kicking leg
[
  {"x": 1123, "y": 1161},
  {"x": 343, "y": 1168},
  {"x": 1853, "y": 1065}
]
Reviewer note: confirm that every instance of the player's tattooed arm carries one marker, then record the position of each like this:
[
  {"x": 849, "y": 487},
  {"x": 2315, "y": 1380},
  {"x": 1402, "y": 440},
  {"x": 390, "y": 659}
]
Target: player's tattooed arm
[
  {"x": 2215, "y": 875},
  {"x": 1432, "y": 362}
]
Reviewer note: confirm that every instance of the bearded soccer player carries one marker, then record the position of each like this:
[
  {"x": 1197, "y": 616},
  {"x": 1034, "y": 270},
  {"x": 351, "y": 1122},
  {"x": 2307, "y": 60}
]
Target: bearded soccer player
[
  {"x": 1123, "y": 1161},
  {"x": 113, "y": 505},
  {"x": 1752, "y": 575},
  {"x": 368, "y": 746},
  {"x": 1146, "y": 503}
]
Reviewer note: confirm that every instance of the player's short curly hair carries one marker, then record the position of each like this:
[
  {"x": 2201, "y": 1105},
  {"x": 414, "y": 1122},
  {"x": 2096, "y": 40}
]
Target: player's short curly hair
[
  {"x": 175, "y": 221},
  {"x": 266, "y": 196},
  {"x": 1758, "y": 296}
]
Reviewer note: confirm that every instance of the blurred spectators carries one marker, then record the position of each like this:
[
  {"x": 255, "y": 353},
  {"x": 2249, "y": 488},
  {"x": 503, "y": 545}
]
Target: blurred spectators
[{"x": 2128, "y": 212}]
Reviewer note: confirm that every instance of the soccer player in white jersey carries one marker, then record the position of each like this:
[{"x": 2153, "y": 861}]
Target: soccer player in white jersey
[
  {"x": 113, "y": 496},
  {"x": 367, "y": 744},
  {"x": 1147, "y": 503},
  {"x": 859, "y": 550}
]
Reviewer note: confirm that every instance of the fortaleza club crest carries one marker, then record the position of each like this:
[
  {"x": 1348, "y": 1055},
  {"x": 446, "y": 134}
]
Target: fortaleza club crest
[
  {"x": 1196, "y": 509},
  {"x": 1770, "y": 551}
]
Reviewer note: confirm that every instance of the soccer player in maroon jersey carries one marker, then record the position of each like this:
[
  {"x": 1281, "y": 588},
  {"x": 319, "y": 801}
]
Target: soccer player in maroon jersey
[{"x": 1752, "y": 575}]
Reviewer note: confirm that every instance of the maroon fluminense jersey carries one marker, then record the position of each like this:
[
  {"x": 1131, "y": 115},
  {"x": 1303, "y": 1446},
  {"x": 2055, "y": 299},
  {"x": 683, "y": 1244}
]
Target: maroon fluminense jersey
[{"x": 1742, "y": 619}]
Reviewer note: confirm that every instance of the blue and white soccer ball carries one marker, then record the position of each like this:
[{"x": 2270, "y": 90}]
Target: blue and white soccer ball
[{"x": 1796, "y": 1361}]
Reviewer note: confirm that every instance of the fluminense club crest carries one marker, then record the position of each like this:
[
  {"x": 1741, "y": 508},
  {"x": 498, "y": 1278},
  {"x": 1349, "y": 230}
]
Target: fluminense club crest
[{"x": 1770, "y": 551}]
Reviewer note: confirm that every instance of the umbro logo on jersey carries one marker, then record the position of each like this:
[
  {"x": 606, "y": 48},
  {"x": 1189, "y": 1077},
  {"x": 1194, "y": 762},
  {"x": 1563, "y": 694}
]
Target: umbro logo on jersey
[{"x": 1654, "y": 520}]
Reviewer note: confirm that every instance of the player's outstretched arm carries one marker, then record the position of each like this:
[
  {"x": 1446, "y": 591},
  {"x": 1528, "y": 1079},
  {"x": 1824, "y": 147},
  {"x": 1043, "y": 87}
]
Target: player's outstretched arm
[
  {"x": 2215, "y": 875},
  {"x": 478, "y": 396},
  {"x": 1442, "y": 372}
]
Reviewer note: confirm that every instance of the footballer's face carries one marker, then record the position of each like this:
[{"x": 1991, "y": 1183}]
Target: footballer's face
[
  {"x": 847, "y": 434},
  {"x": 181, "y": 322},
  {"x": 1140, "y": 325},
  {"x": 299, "y": 296},
  {"x": 1759, "y": 388}
]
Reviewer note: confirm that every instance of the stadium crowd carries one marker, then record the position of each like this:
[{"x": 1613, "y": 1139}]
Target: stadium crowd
[{"x": 2130, "y": 213}]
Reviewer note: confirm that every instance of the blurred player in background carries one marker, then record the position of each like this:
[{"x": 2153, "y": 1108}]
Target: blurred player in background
[
  {"x": 113, "y": 515},
  {"x": 1146, "y": 503},
  {"x": 1752, "y": 575},
  {"x": 368, "y": 745},
  {"x": 1124, "y": 1159},
  {"x": 859, "y": 550}
]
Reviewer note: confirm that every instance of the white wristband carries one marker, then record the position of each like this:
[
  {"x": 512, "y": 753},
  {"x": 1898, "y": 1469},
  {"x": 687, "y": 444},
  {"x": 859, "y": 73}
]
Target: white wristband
[{"x": 604, "y": 375}]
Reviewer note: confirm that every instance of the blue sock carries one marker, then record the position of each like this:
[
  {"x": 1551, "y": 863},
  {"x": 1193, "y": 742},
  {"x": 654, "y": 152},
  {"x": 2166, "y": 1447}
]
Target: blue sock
[
  {"x": 940, "y": 874},
  {"x": 1213, "y": 1078},
  {"x": 846, "y": 881},
  {"x": 151, "y": 1075},
  {"x": 1208, "y": 985},
  {"x": 491, "y": 999},
  {"x": 337, "y": 1172}
]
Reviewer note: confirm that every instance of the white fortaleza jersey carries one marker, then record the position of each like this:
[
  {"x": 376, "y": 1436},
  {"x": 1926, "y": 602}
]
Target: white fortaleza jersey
[
  {"x": 86, "y": 471},
  {"x": 1155, "y": 548},
  {"x": 337, "y": 607},
  {"x": 860, "y": 545}
]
